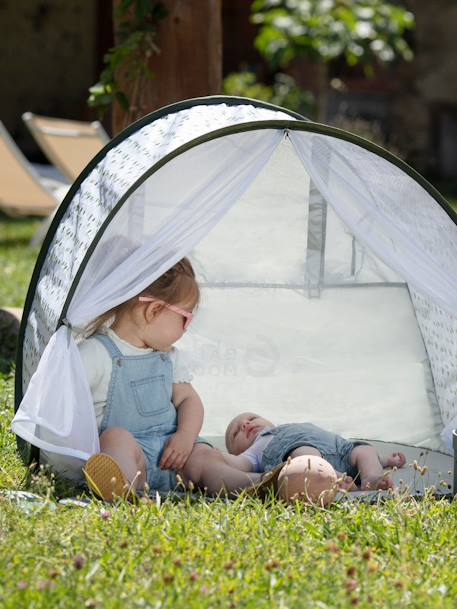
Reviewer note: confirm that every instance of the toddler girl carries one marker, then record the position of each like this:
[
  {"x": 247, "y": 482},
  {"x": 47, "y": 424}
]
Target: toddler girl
[{"x": 149, "y": 415}]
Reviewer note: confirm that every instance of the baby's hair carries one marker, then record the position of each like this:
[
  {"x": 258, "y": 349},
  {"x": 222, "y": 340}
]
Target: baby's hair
[
  {"x": 177, "y": 285},
  {"x": 227, "y": 435}
]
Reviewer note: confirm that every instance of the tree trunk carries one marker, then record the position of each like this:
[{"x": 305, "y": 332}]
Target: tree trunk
[{"x": 189, "y": 63}]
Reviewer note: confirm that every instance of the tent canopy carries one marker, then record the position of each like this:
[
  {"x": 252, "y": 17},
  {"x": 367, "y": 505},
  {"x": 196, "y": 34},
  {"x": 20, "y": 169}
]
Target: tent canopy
[{"x": 328, "y": 270}]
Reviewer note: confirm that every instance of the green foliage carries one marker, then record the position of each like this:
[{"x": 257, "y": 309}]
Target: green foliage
[
  {"x": 284, "y": 92},
  {"x": 361, "y": 31},
  {"x": 137, "y": 25}
]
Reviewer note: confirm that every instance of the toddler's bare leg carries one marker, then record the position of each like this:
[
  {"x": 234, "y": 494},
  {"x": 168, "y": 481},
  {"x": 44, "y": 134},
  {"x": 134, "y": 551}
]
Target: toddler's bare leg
[
  {"x": 125, "y": 450},
  {"x": 207, "y": 469},
  {"x": 366, "y": 459}
]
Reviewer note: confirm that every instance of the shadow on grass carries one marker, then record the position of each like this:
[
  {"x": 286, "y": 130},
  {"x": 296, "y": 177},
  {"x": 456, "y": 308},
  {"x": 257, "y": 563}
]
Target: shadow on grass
[
  {"x": 7, "y": 364},
  {"x": 9, "y": 331},
  {"x": 15, "y": 241}
]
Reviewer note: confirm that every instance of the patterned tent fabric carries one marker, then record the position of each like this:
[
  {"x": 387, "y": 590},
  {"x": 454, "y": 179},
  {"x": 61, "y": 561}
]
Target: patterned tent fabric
[{"x": 439, "y": 329}]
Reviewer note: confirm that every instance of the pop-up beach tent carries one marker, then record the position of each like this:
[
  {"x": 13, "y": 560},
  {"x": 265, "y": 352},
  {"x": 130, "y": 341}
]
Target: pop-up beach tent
[{"x": 328, "y": 270}]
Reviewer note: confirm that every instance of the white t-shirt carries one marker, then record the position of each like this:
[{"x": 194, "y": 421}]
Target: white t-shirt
[
  {"x": 255, "y": 452},
  {"x": 98, "y": 365}
]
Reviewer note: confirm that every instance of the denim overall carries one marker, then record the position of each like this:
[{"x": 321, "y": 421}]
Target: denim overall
[
  {"x": 333, "y": 448},
  {"x": 139, "y": 400}
]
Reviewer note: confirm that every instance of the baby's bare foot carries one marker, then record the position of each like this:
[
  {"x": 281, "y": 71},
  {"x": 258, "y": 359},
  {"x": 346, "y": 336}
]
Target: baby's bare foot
[
  {"x": 393, "y": 460},
  {"x": 345, "y": 483},
  {"x": 374, "y": 483}
]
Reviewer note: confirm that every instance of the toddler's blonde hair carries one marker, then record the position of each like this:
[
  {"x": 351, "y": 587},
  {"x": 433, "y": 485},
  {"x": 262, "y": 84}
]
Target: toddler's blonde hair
[{"x": 176, "y": 286}]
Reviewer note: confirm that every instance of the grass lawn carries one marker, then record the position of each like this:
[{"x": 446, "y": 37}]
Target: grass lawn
[
  {"x": 195, "y": 553},
  {"x": 16, "y": 259}
]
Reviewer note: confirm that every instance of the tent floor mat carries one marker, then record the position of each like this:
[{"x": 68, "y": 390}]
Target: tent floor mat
[{"x": 424, "y": 469}]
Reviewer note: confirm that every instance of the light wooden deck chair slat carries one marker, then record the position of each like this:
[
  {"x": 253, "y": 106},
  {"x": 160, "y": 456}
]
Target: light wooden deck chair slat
[
  {"x": 21, "y": 192},
  {"x": 69, "y": 145}
]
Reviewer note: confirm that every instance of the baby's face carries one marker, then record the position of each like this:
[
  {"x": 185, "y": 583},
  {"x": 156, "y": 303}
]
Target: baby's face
[{"x": 243, "y": 430}]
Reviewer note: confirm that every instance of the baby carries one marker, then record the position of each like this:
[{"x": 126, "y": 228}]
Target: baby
[{"x": 257, "y": 445}]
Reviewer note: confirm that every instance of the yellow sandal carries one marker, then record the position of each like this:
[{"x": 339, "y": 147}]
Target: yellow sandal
[{"x": 105, "y": 478}]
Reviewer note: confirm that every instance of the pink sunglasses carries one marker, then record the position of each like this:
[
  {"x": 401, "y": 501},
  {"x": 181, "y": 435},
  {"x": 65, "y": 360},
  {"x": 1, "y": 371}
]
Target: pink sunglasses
[{"x": 188, "y": 316}]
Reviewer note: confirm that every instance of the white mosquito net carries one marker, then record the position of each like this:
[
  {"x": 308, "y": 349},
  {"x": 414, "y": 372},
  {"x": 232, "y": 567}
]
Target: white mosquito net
[{"x": 328, "y": 274}]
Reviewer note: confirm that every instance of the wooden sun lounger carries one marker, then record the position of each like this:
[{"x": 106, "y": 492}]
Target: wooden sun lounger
[
  {"x": 69, "y": 145},
  {"x": 22, "y": 191}
]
